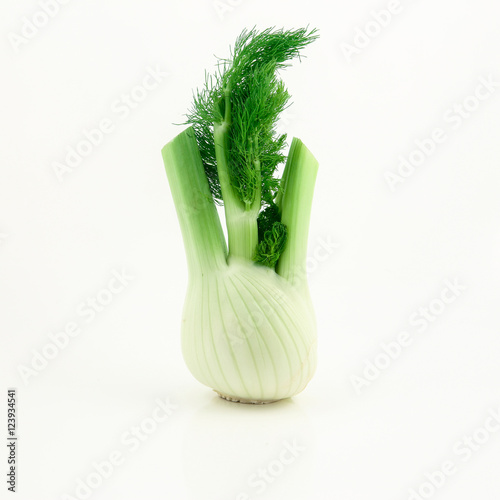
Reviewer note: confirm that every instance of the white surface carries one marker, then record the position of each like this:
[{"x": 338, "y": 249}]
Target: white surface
[{"x": 393, "y": 251}]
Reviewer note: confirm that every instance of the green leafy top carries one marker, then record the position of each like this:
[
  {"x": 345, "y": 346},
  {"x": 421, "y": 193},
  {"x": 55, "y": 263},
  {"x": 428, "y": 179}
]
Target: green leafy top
[{"x": 247, "y": 95}]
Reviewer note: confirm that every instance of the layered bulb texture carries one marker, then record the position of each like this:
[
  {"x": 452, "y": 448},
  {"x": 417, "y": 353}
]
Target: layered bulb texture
[{"x": 249, "y": 334}]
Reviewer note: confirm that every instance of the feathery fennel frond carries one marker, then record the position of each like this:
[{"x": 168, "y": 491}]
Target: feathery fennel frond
[
  {"x": 246, "y": 96},
  {"x": 256, "y": 99}
]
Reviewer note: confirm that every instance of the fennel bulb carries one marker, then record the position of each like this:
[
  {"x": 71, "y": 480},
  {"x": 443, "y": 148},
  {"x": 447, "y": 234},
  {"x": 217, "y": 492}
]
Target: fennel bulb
[{"x": 248, "y": 327}]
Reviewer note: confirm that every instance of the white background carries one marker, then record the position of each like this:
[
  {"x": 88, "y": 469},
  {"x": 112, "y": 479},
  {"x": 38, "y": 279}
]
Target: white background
[{"x": 61, "y": 240}]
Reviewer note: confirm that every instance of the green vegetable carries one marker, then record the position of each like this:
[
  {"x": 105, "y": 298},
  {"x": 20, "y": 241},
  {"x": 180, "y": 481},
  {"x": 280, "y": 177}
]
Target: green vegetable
[{"x": 248, "y": 327}]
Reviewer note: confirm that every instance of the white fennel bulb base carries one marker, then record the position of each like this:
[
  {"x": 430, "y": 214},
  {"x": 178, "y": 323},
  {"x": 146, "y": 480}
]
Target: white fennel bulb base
[{"x": 248, "y": 334}]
